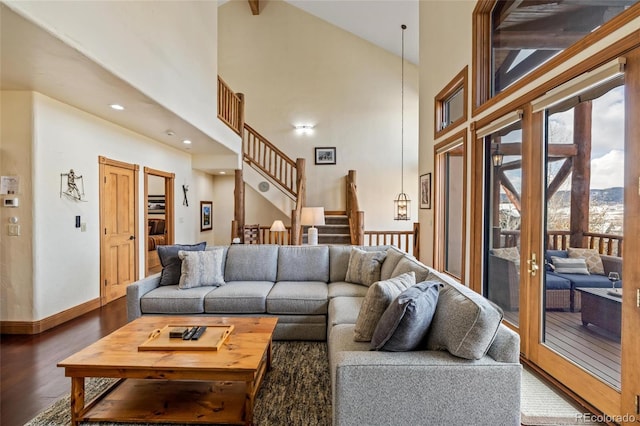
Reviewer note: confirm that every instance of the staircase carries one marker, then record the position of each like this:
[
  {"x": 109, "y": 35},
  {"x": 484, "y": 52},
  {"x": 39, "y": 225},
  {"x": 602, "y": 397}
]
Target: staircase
[{"x": 334, "y": 231}]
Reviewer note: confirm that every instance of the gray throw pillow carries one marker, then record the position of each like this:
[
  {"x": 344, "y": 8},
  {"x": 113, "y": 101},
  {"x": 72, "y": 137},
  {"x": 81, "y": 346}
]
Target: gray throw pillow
[
  {"x": 405, "y": 323},
  {"x": 378, "y": 298},
  {"x": 171, "y": 263},
  {"x": 394, "y": 256},
  {"x": 364, "y": 267},
  {"x": 570, "y": 266},
  {"x": 465, "y": 323},
  {"x": 201, "y": 268}
]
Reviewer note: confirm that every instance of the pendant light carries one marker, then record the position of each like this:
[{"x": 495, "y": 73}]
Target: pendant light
[{"x": 402, "y": 203}]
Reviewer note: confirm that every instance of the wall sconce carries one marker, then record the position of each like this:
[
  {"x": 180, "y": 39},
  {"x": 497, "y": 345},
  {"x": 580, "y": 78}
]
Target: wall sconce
[
  {"x": 304, "y": 129},
  {"x": 497, "y": 157}
]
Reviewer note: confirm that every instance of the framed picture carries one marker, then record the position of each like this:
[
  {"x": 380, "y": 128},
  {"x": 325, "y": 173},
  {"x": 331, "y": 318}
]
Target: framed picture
[
  {"x": 206, "y": 216},
  {"x": 425, "y": 191},
  {"x": 155, "y": 204},
  {"x": 326, "y": 155}
]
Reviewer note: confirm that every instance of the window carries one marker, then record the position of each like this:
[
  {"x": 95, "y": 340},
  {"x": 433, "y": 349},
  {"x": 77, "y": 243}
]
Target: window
[{"x": 451, "y": 104}]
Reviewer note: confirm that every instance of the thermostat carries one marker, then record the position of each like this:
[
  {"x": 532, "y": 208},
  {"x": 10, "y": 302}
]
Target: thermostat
[{"x": 11, "y": 202}]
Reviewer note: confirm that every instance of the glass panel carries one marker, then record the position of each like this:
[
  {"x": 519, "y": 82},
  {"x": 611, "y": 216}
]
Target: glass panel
[
  {"x": 454, "y": 212},
  {"x": 453, "y": 108},
  {"x": 526, "y": 34},
  {"x": 502, "y": 278},
  {"x": 584, "y": 209}
]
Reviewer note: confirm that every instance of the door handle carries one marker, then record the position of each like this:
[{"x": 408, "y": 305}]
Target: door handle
[
  {"x": 533, "y": 265},
  {"x": 132, "y": 237}
]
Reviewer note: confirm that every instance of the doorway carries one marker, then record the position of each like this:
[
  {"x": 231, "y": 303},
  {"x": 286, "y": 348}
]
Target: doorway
[{"x": 159, "y": 213}]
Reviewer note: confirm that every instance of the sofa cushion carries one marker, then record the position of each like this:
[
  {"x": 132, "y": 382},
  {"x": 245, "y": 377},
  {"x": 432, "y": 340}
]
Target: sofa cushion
[
  {"x": 201, "y": 268},
  {"x": 251, "y": 262},
  {"x": 407, "y": 264},
  {"x": 569, "y": 266},
  {"x": 303, "y": 263},
  {"x": 295, "y": 297},
  {"x": 238, "y": 297},
  {"x": 590, "y": 281},
  {"x": 405, "y": 323},
  {"x": 345, "y": 289},
  {"x": 378, "y": 298},
  {"x": 364, "y": 267},
  {"x": 170, "y": 299},
  {"x": 591, "y": 257},
  {"x": 394, "y": 255},
  {"x": 171, "y": 263},
  {"x": 339, "y": 260},
  {"x": 344, "y": 310},
  {"x": 556, "y": 282},
  {"x": 465, "y": 323}
]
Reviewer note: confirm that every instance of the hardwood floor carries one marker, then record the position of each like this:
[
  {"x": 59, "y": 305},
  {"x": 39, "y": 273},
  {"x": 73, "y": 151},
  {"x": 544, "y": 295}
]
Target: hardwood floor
[{"x": 30, "y": 381}]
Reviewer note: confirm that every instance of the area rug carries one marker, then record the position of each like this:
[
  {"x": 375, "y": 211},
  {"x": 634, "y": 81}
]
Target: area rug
[{"x": 297, "y": 391}]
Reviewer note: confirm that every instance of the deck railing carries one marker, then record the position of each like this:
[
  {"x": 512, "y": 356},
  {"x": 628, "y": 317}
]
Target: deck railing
[
  {"x": 407, "y": 241},
  {"x": 230, "y": 107},
  {"x": 609, "y": 244}
]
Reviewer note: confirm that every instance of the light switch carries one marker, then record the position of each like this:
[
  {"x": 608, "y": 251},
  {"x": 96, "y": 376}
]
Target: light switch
[
  {"x": 83, "y": 227},
  {"x": 13, "y": 230}
]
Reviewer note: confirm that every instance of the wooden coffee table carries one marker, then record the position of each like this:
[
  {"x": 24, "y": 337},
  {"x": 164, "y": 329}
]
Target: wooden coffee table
[
  {"x": 173, "y": 386},
  {"x": 601, "y": 309}
]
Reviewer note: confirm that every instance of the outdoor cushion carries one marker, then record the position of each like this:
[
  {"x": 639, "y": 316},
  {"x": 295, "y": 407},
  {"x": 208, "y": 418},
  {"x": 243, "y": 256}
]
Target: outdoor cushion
[
  {"x": 170, "y": 299},
  {"x": 569, "y": 266},
  {"x": 294, "y": 297},
  {"x": 201, "y": 268},
  {"x": 251, "y": 262},
  {"x": 591, "y": 257},
  {"x": 241, "y": 297},
  {"x": 557, "y": 253},
  {"x": 508, "y": 253},
  {"x": 556, "y": 282},
  {"x": 465, "y": 323},
  {"x": 378, "y": 298},
  {"x": 171, "y": 263},
  {"x": 303, "y": 263},
  {"x": 364, "y": 267},
  {"x": 405, "y": 323},
  {"x": 591, "y": 281}
]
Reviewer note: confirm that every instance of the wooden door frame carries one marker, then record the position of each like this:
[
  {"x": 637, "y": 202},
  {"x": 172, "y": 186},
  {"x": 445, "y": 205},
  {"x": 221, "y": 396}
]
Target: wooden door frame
[
  {"x": 102, "y": 163},
  {"x": 169, "y": 198}
]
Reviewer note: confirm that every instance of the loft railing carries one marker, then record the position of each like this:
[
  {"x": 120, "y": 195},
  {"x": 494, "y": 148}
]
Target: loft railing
[
  {"x": 609, "y": 244},
  {"x": 354, "y": 214},
  {"x": 282, "y": 238},
  {"x": 263, "y": 155},
  {"x": 407, "y": 241},
  {"x": 230, "y": 107}
]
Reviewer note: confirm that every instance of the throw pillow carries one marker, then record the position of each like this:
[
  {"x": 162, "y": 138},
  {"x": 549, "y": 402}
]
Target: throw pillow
[
  {"x": 378, "y": 298},
  {"x": 508, "y": 253},
  {"x": 390, "y": 262},
  {"x": 569, "y": 266},
  {"x": 201, "y": 268},
  {"x": 591, "y": 257},
  {"x": 364, "y": 267},
  {"x": 465, "y": 323},
  {"x": 171, "y": 263},
  {"x": 405, "y": 323}
]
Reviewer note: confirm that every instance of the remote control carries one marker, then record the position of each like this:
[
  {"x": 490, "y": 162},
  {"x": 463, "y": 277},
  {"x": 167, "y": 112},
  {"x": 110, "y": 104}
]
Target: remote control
[
  {"x": 190, "y": 333},
  {"x": 199, "y": 332}
]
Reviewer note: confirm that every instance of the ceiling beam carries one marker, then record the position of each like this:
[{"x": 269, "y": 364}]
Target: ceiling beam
[
  {"x": 255, "y": 7},
  {"x": 552, "y": 40}
]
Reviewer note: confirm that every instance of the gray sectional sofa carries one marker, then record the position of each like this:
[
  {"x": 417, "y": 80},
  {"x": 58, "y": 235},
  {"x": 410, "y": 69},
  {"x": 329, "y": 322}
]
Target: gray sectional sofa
[{"x": 306, "y": 288}]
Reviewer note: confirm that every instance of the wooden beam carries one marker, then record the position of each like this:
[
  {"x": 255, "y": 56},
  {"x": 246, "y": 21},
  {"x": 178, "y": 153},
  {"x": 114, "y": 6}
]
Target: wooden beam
[
  {"x": 510, "y": 190},
  {"x": 238, "y": 206},
  {"x": 581, "y": 175},
  {"x": 255, "y": 7},
  {"x": 559, "y": 178},
  {"x": 504, "y": 79}
]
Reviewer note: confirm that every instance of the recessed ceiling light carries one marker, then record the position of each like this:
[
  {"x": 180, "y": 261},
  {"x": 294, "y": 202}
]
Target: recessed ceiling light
[
  {"x": 186, "y": 142},
  {"x": 117, "y": 107},
  {"x": 223, "y": 173},
  {"x": 170, "y": 132}
]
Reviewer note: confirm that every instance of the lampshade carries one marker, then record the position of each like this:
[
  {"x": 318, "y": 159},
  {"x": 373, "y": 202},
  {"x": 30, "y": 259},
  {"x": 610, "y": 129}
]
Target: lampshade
[
  {"x": 277, "y": 226},
  {"x": 312, "y": 216}
]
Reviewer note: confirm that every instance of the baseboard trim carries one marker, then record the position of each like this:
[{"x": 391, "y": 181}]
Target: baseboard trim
[{"x": 36, "y": 327}]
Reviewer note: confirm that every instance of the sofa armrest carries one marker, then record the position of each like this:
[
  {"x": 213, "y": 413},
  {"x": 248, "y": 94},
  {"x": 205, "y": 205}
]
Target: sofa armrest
[
  {"x": 423, "y": 387},
  {"x": 506, "y": 345},
  {"x": 138, "y": 289},
  {"x": 611, "y": 264}
]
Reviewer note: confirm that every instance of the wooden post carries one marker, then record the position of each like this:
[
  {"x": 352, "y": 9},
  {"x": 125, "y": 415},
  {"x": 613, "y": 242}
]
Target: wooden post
[
  {"x": 416, "y": 240},
  {"x": 581, "y": 175},
  {"x": 241, "y": 115},
  {"x": 351, "y": 179},
  {"x": 301, "y": 179},
  {"x": 359, "y": 228},
  {"x": 238, "y": 205}
]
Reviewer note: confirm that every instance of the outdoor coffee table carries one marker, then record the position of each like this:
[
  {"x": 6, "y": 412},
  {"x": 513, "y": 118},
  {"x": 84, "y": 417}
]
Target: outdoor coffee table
[
  {"x": 177, "y": 386},
  {"x": 601, "y": 309}
]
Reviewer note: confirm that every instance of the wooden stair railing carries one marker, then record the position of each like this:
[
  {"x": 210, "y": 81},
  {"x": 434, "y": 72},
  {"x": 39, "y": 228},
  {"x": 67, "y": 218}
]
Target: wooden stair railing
[
  {"x": 355, "y": 215},
  {"x": 230, "y": 107}
]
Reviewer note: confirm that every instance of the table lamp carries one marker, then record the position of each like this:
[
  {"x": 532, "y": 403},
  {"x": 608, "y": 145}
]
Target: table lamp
[
  {"x": 278, "y": 227},
  {"x": 312, "y": 216}
]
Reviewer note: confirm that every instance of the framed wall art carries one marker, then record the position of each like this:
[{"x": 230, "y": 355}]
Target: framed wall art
[
  {"x": 206, "y": 216},
  {"x": 326, "y": 155},
  {"x": 425, "y": 191}
]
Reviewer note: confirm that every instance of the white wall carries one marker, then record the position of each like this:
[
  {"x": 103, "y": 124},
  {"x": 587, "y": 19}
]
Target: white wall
[
  {"x": 204, "y": 189},
  {"x": 66, "y": 262},
  {"x": 166, "y": 49},
  {"x": 16, "y": 252},
  {"x": 295, "y": 68}
]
